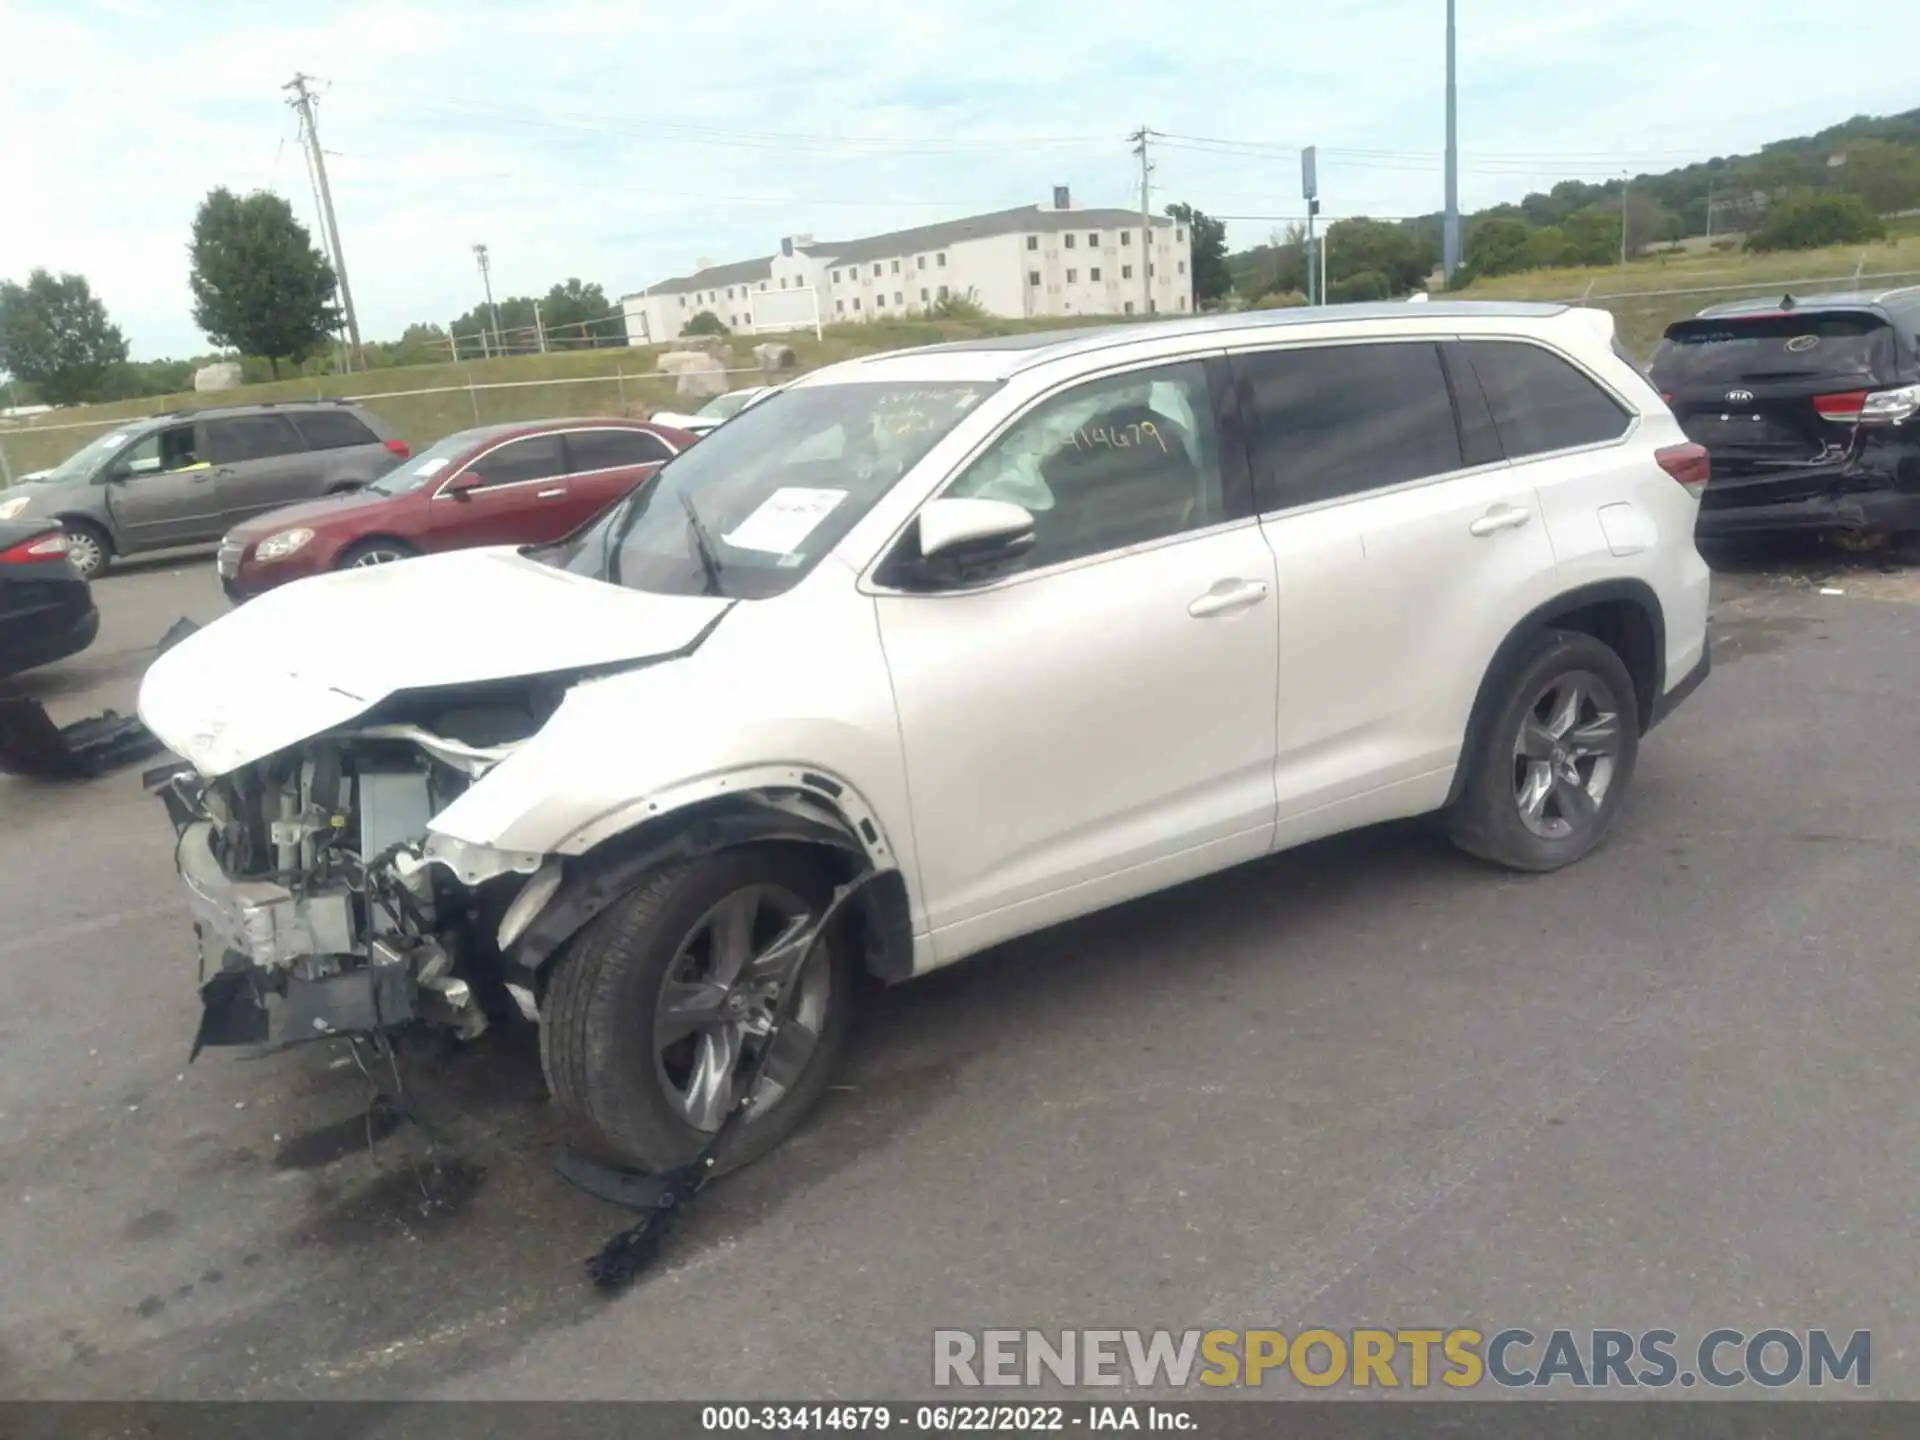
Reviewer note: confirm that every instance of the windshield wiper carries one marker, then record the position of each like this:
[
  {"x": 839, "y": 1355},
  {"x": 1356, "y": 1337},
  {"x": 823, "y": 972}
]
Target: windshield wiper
[{"x": 709, "y": 561}]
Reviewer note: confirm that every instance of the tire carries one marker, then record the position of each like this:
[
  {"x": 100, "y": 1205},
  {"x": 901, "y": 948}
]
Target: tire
[
  {"x": 88, "y": 546},
  {"x": 1492, "y": 818},
  {"x": 626, "y": 1103},
  {"x": 374, "y": 552}
]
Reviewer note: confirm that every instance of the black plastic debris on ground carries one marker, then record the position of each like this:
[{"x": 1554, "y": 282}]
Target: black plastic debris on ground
[
  {"x": 178, "y": 631},
  {"x": 32, "y": 745}
]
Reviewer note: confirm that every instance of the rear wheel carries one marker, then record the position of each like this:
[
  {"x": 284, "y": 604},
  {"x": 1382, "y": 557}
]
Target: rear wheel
[
  {"x": 88, "y": 546},
  {"x": 374, "y": 552},
  {"x": 658, "y": 1011},
  {"x": 1549, "y": 772}
]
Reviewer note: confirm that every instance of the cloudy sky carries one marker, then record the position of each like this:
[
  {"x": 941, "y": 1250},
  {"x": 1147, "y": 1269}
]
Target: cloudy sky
[{"x": 622, "y": 140}]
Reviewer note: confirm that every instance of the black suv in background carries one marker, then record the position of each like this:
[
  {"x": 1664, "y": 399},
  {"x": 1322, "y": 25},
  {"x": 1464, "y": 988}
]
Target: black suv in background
[{"x": 1807, "y": 406}]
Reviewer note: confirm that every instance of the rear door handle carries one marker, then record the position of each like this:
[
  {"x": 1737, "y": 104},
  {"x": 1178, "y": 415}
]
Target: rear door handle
[
  {"x": 1228, "y": 596},
  {"x": 1501, "y": 517}
]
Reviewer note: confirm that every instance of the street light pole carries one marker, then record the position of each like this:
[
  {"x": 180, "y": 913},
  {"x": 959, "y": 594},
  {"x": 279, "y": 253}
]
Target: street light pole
[
  {"x": 1450, "y": 225},
  {"x": 486, "y": 279}
]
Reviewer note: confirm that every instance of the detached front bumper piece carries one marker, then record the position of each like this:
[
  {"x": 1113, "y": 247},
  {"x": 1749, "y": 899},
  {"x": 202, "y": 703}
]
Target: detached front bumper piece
[{"x": 31, "y": 744}]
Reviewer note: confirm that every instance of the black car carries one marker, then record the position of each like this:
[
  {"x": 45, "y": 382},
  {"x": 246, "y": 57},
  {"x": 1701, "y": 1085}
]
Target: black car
[
  {"x": 1809, "y": 407},
  {"x": 46, "y": 607}
]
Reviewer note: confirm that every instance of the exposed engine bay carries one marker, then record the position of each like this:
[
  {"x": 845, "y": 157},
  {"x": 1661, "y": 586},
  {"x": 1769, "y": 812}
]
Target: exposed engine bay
[{"x": 313, "y": 878}]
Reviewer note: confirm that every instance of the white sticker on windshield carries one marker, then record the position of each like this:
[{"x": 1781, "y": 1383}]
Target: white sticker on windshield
[
  {"x": 430, "y": 468},
  {"x": 784, "y": 520}
]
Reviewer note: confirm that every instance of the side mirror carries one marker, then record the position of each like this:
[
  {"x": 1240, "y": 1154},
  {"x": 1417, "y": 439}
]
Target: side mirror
[
  {"x": 462, "y": 486},
  {"x": 962, "y": 542}
]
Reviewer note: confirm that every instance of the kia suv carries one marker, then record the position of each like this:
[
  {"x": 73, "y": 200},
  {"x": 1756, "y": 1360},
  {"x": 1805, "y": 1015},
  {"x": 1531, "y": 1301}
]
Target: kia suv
[
  {"x": 927, "y": 651},
  {"x": 1806, "y": 405},
  {"x": 188, "y": 477}
]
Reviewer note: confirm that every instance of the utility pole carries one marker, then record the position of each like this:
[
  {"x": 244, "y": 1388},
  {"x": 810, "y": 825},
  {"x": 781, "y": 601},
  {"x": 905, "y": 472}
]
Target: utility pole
[
  {"x": 1450, "y": 226},
  {"x": 1139, "y": 137},
  {"x": 303, "y": 102},
  {"x": 539, "y": 329},
  {"x": 486, "y": 280},
  {"x": 1310, "y": 192},
  {"x": 1709, "y": 217},
  {"x": 1623, "y": 220}
]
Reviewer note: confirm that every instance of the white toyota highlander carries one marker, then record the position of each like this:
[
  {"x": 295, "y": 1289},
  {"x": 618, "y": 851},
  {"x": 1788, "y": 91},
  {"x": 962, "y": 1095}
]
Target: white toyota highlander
[{"x": 981, "y": 637}]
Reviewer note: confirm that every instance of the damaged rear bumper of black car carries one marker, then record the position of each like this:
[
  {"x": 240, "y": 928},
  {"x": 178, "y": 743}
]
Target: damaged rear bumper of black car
[{"x": 1886, "y": 511}]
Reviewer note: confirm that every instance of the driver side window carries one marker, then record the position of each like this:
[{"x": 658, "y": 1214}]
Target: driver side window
[
  {"x": 169, "y": 449},
  {"x": 1114, "y": 463}
]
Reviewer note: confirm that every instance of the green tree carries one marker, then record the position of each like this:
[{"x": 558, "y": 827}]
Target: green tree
[
  {"x": 1807, "y": 221},
  {"x": 954, "y": 307},
  {"x": 1367, "y": 285},
  {"x": 1405, "y": 256},
  {"x": 1208, "y": 236},
  {"x": 705, "y": 323},
  {"x": 1592, "y": 237},
  {"x": 1884, "y": 175},
  {"x": 259, "y": 285},
  {"x": 1500, "y": 246},
  {"x": 55, "y": 336},
  {"x": 1547, "y": 247},
  {"x": 578, "y": 316}
]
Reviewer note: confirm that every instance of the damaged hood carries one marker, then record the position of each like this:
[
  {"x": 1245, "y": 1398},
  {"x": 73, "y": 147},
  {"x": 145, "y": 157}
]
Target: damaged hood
[{"x": 313, "y": 655}]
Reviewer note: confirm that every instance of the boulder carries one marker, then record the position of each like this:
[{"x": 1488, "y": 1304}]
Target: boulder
[
  {"x": 775, "y": 359},
  {"x": 701, "y": 376},
  {"x": 221, "y": 375}
]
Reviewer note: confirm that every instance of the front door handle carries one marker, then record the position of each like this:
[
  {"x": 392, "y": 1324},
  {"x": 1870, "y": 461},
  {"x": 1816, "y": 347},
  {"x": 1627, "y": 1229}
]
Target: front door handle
[
  {"x": 1501, "y": 517},
  {"x": 550, "y": 494},
  {"x": 1228, "y": 597}
]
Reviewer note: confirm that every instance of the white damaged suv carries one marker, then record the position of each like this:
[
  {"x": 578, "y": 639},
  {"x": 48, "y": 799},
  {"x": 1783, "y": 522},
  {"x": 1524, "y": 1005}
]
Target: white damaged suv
[{"x": 1003, "y": 632}]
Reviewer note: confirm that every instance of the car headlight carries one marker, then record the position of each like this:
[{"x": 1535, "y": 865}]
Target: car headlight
[
  {"x": 11, "y": 508},
  {"x": 279, "y": 547}
]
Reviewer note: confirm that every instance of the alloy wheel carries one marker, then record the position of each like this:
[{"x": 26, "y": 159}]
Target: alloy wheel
[
  {"x": 376, "y": 556},
  {"x": 718, "y": 999},
  {"x": 86, "y": 553},
  {"x": 1565, "y": 755}
]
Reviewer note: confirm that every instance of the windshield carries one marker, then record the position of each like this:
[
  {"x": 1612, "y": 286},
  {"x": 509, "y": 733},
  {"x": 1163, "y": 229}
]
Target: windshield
[
  {"x": 722, "y": 406},
  {"x": 1720, "y": 352},
  {"x": 752, "y": 508},
  {"x": 423, "y": 467},
  {"x": 83, "y": 462}
]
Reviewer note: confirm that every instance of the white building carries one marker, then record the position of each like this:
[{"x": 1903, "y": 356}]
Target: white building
[{"x": 1052, "y": 259}]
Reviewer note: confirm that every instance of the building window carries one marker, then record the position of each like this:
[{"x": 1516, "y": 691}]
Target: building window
[
  {"x": 747, "y": 319},
  {"x": 896, "y": 267},
  {"x": 729, "y": 292},
  {"x": 943, "y": 292},
  {"x": 876, "y": 267},
  {"x": 1033, "y": 277},
  {"x": 763, "y": 285},
  {"x": 921, "y": 261},
  {"x": 1126, "y": 238},
  {"x": 1180, "y": 235},
  {"x": 841, "y": 306},
  {"x": 1073, "y": 276},
  {"x": 923, "y": 294},
  {"x": 898, "y": 298},
  {"x": 1129, "y": 307},
  {"x": 1094, "y": 274},
  {"x": 836, "y": 277},
  {"x": 1183, "y": 267},
  {"x": 1033, "y": 242},
  {"x": 1069, "y": 242},
  {"x": 1153, "y": 306},
  {"x": 1126, "y": 272},
  {"x": 683, "y": 302},
  {"x": 1152, "y": 270},
  {"x": 856, "y": 302},
  {"x": 880, "y": 301},
  {"x": 941, "y": 260},
  {"x": 1093, "y": 242},
  {"x": 1183, "y": 302}
]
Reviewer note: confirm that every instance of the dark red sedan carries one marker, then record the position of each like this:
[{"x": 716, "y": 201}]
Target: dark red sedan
[{"x": 522, "y": 484}]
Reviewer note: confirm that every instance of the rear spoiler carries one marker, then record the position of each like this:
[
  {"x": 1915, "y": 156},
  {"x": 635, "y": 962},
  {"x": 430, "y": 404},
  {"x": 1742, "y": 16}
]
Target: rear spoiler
[{"x": 1600, "y": 323}]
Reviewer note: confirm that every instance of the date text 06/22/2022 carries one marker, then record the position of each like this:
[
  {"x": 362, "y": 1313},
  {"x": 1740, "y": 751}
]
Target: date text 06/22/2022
[{"x": 1458, "y": 1358}]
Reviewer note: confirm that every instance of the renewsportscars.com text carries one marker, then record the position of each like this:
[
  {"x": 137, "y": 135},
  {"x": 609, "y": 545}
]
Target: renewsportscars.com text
[{"x": 1378, "y": 1359}]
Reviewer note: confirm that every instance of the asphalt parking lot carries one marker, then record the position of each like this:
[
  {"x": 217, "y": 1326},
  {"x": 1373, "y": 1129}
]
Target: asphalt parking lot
[{"x": 1370, "y": 1082}]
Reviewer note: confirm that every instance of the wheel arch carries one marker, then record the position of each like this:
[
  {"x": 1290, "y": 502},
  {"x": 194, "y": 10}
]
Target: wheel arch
[
  {"x": 1625, "y": 615},
  {"x": 381, "y": 537},
  {"x": 813, "y": 811},
  {"x": 100, "y": 526}
]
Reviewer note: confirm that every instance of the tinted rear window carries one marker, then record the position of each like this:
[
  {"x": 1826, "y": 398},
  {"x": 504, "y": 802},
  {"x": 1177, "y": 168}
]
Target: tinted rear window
[
  {"x": 1772, "y": 347},
  {"x": 333, "y": 429},
  {"x": 1336, "y": 420},
  {"x": 240, "y": 438},
  {"x": 1541, "y": 403}
]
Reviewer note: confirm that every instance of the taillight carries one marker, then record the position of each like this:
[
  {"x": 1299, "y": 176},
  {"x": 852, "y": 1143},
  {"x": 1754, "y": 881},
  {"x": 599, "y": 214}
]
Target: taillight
[
  {"x": 1844, "y": 408},
  {"x": 401, "y": 448},
  {"x": 1686, "y": 463},
  {"x": 40, "y": 547},
  {"x": 1890, "y": 407}
]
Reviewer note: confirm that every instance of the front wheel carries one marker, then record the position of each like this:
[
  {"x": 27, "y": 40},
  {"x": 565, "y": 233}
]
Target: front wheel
[
  {"x": 660, "y": 1008},
  {"x": 87, "y": 547},
  {"x": 1548, "y": 774},
  {"x": 374, "y": 552}
]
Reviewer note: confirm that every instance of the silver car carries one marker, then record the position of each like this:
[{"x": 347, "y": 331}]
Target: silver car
[{"x": 188, "y": 477}]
